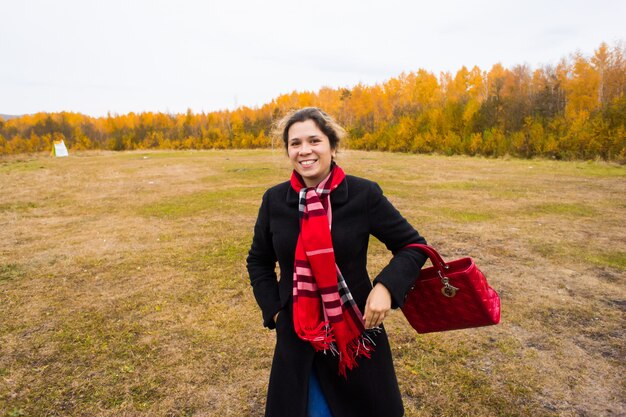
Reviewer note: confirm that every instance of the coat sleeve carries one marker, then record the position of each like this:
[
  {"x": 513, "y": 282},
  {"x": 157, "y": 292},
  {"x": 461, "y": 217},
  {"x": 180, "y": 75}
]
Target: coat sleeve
[
  {"x": 388, "y": 226},
  {"x": 261, "y": 264}
]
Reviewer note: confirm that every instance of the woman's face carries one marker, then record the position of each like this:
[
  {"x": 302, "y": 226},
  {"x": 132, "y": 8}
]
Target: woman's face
[{"x": 309, "y": 151}]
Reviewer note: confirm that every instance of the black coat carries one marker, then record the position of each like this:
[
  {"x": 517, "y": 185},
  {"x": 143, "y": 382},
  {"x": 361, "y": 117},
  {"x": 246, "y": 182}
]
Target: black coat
[{"x": 359, "y": 209}]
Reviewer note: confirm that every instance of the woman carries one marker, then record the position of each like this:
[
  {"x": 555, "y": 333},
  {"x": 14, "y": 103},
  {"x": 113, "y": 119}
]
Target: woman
[{"x": 331, "y": 352}]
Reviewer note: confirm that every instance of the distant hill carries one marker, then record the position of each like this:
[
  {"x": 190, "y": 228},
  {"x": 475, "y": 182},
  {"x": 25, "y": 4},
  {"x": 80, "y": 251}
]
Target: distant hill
[{"x": 9, "y": 116}]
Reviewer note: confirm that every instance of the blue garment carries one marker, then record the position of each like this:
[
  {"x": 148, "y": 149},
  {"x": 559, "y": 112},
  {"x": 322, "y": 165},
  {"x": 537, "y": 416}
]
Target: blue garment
[{"x": 318, "y": 407}]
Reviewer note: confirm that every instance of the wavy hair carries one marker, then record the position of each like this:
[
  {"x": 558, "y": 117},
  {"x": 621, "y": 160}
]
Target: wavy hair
[{"x": 322, "y": 120}]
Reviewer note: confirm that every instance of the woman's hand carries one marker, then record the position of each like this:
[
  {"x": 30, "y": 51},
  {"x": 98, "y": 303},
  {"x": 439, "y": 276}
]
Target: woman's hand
[
  {"x": 377, "y": 306},
  {"x": 276, "y": 316}
]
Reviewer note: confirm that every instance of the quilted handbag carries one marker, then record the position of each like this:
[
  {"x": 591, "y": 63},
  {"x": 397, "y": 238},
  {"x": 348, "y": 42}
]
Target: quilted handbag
[{"x": 450, "y": 296}]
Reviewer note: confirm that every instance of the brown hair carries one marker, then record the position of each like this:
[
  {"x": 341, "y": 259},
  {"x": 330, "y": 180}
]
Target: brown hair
[{"x": 322, "y": 120}]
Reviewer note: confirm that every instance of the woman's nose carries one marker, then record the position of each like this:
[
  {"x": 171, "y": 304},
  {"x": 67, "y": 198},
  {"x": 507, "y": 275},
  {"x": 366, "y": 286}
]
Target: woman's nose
[{"x": 305, "y": 148}]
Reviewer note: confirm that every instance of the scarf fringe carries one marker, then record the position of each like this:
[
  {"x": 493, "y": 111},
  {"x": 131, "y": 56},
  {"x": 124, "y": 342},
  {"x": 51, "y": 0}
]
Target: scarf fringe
[
  {"x": 321, "y": 337},
  {"x": 361, "y": 346}
]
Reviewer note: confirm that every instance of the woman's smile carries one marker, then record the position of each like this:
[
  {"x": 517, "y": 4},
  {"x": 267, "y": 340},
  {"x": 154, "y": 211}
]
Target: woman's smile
[{"x": 307, "y": 163}]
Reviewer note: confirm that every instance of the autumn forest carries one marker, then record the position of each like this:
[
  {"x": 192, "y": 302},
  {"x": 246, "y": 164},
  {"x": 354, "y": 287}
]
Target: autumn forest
[{"x": 575, "y": 109}]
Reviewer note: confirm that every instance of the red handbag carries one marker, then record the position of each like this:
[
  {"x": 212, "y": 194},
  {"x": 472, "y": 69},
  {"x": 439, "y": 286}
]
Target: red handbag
[{"x": 450, "y": 296}]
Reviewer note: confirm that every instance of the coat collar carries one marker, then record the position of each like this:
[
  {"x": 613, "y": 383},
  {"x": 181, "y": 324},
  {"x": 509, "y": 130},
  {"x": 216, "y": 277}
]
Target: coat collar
[{"x": 338, "y": 196}]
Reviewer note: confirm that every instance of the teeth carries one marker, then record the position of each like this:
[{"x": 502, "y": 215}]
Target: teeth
[{"x": 306, "y": 163}]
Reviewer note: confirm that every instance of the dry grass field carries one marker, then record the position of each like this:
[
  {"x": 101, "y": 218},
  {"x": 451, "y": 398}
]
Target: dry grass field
[{"x": 123, "y": 288}]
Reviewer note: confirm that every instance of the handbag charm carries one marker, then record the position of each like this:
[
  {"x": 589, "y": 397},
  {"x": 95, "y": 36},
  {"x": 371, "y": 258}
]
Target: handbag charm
[
  {"x": 450, "y": 296},
  {"x": 447, "y": 289}
]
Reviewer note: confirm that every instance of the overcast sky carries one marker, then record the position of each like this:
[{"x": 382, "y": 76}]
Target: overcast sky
[{"x": 151, "y": 55}]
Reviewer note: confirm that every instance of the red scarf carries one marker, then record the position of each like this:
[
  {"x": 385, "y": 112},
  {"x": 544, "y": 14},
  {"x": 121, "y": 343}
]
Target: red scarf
[{"x": 324, "y": 312}]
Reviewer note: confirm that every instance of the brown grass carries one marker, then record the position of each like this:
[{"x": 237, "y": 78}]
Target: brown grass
[{"x": 123, "y": 289}]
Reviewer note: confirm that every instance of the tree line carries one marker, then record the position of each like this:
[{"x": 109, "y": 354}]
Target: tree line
[{"x": 575, "y": 109}]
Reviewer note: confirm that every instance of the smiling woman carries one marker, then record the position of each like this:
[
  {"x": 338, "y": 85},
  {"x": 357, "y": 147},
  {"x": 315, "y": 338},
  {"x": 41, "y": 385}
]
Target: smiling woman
[{"x": 332, "y": 356}]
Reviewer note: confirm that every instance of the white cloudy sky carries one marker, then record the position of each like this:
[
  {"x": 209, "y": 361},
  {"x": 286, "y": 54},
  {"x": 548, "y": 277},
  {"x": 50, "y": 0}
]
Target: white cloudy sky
[{"x": 153, "y": 55}]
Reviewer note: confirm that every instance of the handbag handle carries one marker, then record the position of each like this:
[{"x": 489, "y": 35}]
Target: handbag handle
[
  {"x": 434, "y": 256},
  {"x": 440, "y": 265}
]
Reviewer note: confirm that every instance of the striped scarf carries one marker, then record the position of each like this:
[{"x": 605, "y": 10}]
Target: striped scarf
[{"x": 324, "y": 312}]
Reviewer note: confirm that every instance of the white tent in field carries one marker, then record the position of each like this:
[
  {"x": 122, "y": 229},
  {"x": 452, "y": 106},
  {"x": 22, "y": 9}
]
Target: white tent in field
[{"x": 59, "y": 148}]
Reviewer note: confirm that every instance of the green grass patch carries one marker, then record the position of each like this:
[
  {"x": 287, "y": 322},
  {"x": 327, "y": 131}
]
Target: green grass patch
[
  {"x": 562, "y": 209},
  {"x": 231, "y": 250},
  {"x": 107, "y": 332},
  {"x": 511, "y": 192},
  {"x": 247, "y": 171},
  {"x": 10, "y": 272},
  {"x": 576, "y": 252},
  {"x": 613, "y": 259},
  {"x": 550, "y": 250},
  {"x": 596, "y": 169},
  {"x": 188, "y": 153},
  {"x": 160, "y": 154},
  {"x": 599, "y": 169},
  {"x": 465, "y": 216},
  {"x": 221, "y": 201},
  {"x": 463, "y": 185},
  {"x": 165, "y": 237},
  {"x": 21, "y": 166},
  {"x": 263, "y": 175},
  {"x": 18, "y": 206}
]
